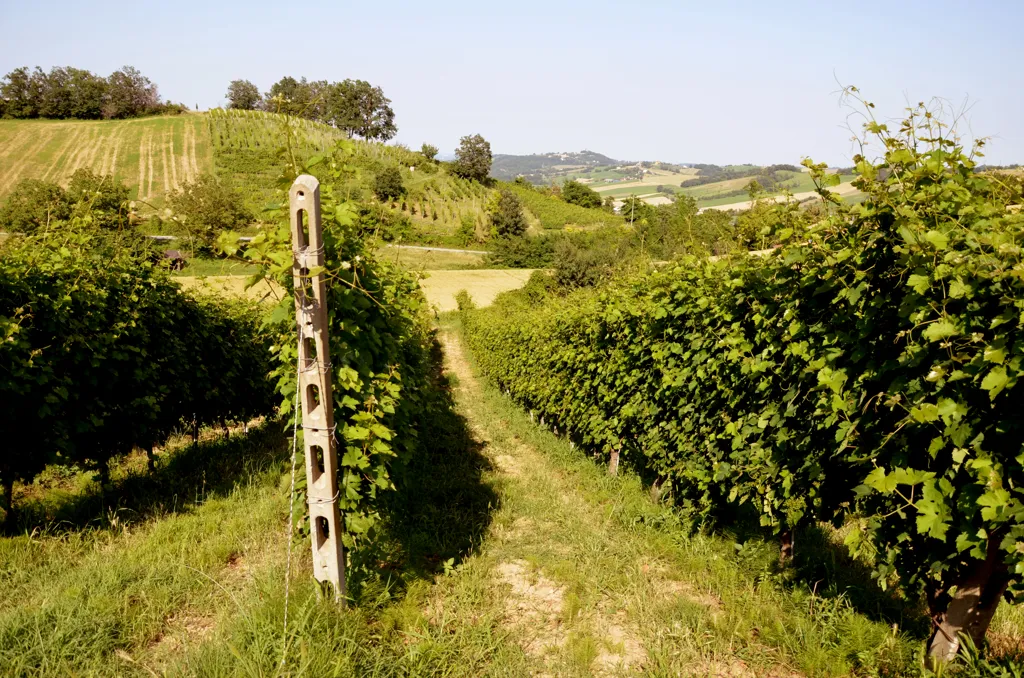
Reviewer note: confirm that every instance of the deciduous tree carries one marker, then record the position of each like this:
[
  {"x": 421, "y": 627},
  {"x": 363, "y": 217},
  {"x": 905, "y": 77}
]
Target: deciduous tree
[
  {"x": 473, "y": 158},
  {"x": 244, "y": 95}
]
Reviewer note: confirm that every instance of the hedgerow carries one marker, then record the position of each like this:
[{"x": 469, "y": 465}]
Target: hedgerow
[
  {"x": 102, "y": 353},
  {"x": 864, "y": 372}
]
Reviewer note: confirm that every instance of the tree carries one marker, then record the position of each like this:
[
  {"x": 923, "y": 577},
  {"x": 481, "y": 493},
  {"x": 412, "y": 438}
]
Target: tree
[
  {"x": 129, "y": 93},
  {"x": 388, "y": 184},
  {"x": 288, "y": 95},
  {"x": 473, "y": 158},
  {"x": 244, "y": 95},
  {"x": 506, "y": 213},
  {"x": 576, "y": 193},
  {"x": 88, "y": 91},
  {"x": 428, "y": 151},
  {"x": 17, "y": 92},
  {"x": 360, "y": 109},
  {"x": 206, "y": 208}
]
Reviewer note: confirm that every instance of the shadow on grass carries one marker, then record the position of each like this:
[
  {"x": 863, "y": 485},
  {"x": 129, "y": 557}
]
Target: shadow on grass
[
  {"x": 184, "y": 478},
  {"x": 827, "y": 568},
  {"x": 443, "y": 507},
  {"x": 822, "y": 566}
]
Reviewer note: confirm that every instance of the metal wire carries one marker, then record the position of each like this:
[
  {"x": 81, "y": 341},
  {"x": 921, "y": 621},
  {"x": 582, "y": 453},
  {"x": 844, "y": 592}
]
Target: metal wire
[{"x": 291, "y": 514}]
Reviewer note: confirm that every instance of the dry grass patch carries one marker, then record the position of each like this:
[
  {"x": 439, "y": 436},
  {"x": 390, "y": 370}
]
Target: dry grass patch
[{"x": 440, "y": 287}]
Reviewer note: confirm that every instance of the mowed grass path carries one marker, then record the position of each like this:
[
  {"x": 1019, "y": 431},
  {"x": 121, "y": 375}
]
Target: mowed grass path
[{"x": 152, "y": 155}]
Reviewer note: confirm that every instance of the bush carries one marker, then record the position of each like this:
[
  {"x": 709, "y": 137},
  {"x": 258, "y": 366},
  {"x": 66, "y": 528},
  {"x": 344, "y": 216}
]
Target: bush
[
  {"x": 100, "y": 200},
  {"x": 206, "y": 208},
  {"x": 575, "y": 193},
  {"x": 33, "y": 204},
  {"x": 521, "y": 252},
  {"x": 388, "y": 184},
  {"x": 102, "y": 197},
  {"x": 557, "y": 214}
]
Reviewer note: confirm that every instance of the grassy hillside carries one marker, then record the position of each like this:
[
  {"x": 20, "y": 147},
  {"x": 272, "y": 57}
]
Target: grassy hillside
[
  {"x": 152, "y": 155},
  {"x": 553, "y": 213},
  {"x": 246, "y": 150}
]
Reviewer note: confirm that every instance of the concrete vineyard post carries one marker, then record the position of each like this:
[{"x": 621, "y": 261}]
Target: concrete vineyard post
[{"x": 314, "y": 385}]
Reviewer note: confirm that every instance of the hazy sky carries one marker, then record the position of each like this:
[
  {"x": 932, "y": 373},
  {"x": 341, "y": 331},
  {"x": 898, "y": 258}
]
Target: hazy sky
[{"x": 719, "y": 82}]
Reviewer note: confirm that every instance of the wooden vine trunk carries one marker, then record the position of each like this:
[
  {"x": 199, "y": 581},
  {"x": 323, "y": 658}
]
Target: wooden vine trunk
[
  {"x": 970, "y": 610},
  {"x": 314, "y": 384}
]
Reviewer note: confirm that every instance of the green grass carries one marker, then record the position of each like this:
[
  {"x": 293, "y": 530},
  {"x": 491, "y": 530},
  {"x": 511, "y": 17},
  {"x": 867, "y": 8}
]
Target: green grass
[
  {"x": 432, "y": 260},
  {"x": 151, "y": 155},
  {"x": 202, "y": 266}
]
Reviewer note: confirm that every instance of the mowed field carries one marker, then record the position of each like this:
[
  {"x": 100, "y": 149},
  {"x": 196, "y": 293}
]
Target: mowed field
[
  {"x": 152, "y": 155},
  {"x": 440, "y": 287}
]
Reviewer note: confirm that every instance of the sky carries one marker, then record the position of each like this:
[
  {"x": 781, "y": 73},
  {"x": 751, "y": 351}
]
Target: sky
[{"x": 714, "y": 81}]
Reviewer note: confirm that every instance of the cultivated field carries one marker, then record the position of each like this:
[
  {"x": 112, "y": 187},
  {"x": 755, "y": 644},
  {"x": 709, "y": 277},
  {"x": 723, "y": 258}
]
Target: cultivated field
[
  {"x": 431, "y": 259},
  {"x": 152, "y": 155},
  {"x": 440, "y": 287}
]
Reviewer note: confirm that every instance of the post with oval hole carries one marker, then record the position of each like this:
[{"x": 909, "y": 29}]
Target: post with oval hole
[{"x": 315, "y": 385}]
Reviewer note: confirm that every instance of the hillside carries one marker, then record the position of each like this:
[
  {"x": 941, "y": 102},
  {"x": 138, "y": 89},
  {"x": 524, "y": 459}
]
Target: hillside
[
  {"x": 539, "y": 166},
  {"x": 244, "y": 149},
  {"x": 152, "y": 155}
]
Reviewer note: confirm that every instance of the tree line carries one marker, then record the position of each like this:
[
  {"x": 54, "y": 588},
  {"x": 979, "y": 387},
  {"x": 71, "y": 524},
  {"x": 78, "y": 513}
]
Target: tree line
[
  {"x": 68, "y": 92},
  {"x": 355, "y": 106}
]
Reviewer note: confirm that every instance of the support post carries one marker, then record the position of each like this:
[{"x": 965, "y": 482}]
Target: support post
[{"x": 314, "y": 385}]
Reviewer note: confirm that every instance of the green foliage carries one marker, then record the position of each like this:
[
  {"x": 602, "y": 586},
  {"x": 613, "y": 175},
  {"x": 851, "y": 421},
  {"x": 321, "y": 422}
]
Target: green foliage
[
  {"x": 521, "y": 252},
  {"x": 866, "y": 367},
  {"x": 466, "y": 234},
  {"x": 380, "y": 345},
  {"x": 429, "y": 151},
  {"x": 585, "y": 261},
  {"x": 506, "y": 214},
  {"x": 102, "y": 197},
  {"x": 76, "y": 93},
  {"x": 206, "y": 208},
  {"x": 33, "y": 204},
  {"x": 473, "y": 158},
  {"x": 244, "y": 95},
  {"x": 554, "y": 213},
  {"x": 103, "y": 353},
  {"x": 388, "y": 184},
  {"x": 354, "y": 106},
  {"x": 575, "y": 193}
]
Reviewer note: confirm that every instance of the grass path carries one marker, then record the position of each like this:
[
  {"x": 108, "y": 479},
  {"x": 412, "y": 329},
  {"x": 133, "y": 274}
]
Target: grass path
[{"x": 595, "y": 578}]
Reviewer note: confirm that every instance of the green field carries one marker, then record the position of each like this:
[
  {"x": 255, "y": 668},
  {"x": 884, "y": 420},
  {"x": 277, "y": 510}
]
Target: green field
[{"x": 152, "y": 155}]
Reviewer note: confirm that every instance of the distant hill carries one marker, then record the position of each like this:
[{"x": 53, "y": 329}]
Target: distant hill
[{"x": 540, "y": 168}]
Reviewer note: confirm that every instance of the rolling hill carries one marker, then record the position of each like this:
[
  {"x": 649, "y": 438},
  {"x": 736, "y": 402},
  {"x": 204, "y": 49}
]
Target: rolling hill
[{"x": 152, "y": 155}]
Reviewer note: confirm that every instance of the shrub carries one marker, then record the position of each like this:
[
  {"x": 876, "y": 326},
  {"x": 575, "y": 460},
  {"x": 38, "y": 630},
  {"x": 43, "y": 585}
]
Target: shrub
[
  {"x": 34, "y": 204},
  {"x": 388, "y": 184},
  {"x": 102, "y": 197},
  {"x": 206, "y": 208}
]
